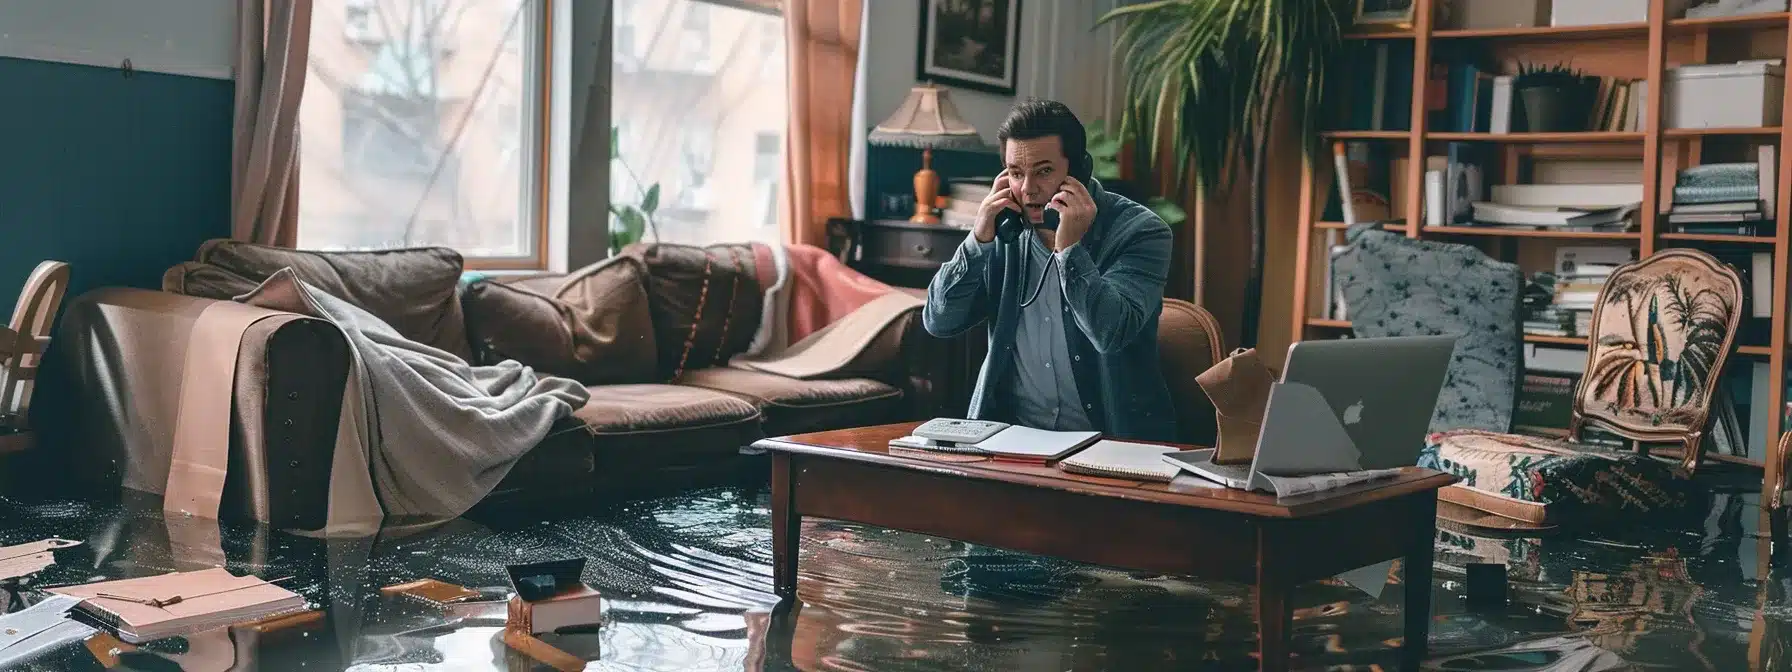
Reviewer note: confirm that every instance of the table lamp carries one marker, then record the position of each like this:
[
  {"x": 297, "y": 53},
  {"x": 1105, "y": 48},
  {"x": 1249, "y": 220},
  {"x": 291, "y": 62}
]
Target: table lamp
[{"x": 928, "y": 120}]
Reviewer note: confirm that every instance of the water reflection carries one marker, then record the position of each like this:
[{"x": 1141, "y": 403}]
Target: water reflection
[{"x": 687, "y": 585}]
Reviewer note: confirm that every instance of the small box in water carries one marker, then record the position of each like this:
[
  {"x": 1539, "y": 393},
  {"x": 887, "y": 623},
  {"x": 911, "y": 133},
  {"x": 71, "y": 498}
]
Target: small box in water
[{"x": 551, "y": 597}]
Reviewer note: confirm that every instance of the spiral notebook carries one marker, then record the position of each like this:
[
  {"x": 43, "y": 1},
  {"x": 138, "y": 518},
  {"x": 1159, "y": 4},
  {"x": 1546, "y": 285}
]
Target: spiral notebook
[
  {"x": 181, "y": 603},
  {"x": 1120, "y": 459}
]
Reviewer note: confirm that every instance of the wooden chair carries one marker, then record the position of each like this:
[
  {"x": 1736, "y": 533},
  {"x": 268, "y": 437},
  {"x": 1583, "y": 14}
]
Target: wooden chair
[
  {"x": 22, "y": 342},
  {"x": 1663, "y": 328}
]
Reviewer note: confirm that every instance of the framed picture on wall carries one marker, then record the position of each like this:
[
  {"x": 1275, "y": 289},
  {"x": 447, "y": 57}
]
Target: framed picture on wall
[{"x": 972, "y": 44}]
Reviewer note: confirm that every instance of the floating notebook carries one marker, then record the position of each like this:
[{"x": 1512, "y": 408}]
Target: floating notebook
[
  {"x": 1014, "y": 443},
  {"x": 1120, "y": 459},
  {"x": 181, "y": 603}
]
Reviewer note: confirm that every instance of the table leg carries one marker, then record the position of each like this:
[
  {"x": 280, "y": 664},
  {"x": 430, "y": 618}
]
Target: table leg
[
  {"x": 1275, "y": 616},
  {"x": 787, "y": 526},
  {"x": 1416, "y": 582}
]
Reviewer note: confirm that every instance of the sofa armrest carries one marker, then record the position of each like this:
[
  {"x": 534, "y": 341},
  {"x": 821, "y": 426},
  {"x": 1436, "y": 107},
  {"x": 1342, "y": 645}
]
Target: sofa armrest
[{"x": 122, "y": 354}]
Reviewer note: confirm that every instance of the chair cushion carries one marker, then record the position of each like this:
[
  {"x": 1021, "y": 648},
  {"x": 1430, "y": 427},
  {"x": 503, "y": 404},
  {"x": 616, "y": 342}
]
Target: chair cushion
[
  {"x": 793, "y": 406},
  {"x": 653, "y": 426},
  {"x": 414, "y": 290},
  {"x": 1397, "y": 286},
  {"x": 1548, "y": 481}
]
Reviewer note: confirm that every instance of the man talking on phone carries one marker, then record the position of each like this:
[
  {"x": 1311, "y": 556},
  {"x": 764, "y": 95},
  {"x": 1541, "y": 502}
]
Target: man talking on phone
[{"x": 1070, "y": 278}]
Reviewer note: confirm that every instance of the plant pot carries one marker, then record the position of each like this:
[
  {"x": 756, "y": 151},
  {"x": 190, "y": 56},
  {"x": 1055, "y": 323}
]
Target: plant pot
[{"x": 1554, "y": 109}]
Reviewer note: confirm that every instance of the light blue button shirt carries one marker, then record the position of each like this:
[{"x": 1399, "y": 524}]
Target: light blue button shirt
[{"x": 1044, "y": 384}]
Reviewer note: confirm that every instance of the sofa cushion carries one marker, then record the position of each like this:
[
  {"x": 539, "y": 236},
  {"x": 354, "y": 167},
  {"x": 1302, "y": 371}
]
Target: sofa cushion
[
  {"x": 650, "y": 426},
  {"x": 705, "y": 302},
  {"x": 793, "y": 406},
  {"x": 1539, "y": 480},
  {"x": 414, "y": 290},
  {"x": 594, "y": 347}
]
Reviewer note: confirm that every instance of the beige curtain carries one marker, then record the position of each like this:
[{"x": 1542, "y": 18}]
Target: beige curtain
[
  {"x": 273, "y": 41},
  {"x": 822, "y": 47}
]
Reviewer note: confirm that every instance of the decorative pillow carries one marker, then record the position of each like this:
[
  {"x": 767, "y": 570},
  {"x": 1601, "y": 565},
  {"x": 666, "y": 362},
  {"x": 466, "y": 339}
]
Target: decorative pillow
[
  {"x": 1662, "y": 331},
  {"x": 705, "y": 303},
  {"x": 509, "y": 322},
  {"x": 414, "y": 290},
  {"x": 1397, "y": 286},
  {"x": 1571, "y": 482},
  {"x": 611, "y": 324}
]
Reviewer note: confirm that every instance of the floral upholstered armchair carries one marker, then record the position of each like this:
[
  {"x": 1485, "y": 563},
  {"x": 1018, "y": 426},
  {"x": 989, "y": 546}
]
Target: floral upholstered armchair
[{"x": 1662, "y": 330}]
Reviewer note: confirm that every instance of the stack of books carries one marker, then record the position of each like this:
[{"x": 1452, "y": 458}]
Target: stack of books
[
  {"x": 964, "y": 197},
  {"x": 1577, "y": 293},
  {"x": 1726, "y": 198}
]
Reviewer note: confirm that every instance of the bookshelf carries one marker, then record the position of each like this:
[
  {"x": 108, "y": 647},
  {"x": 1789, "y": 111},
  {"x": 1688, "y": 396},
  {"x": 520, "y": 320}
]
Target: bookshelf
[{"x": 1641, "y": 51}]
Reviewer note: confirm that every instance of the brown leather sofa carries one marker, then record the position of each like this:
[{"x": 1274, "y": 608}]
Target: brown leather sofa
[{"x": 647, "y": 332}]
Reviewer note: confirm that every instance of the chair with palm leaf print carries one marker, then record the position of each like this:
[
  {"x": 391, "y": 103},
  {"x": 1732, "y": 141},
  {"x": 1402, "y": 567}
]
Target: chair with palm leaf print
[{"x": 1662, "y": 330}]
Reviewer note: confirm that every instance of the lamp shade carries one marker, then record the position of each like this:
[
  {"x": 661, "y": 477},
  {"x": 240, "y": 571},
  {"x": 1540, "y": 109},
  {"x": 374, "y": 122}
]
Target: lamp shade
[{"x": 926, "y": 119}]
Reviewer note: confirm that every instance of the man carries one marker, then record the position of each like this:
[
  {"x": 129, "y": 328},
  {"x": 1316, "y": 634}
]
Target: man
[{"x": 1082, "y": 354}]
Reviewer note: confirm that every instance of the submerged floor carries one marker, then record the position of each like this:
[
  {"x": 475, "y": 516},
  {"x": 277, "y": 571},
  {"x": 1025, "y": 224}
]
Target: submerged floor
[{"x": 687, "y": 581}]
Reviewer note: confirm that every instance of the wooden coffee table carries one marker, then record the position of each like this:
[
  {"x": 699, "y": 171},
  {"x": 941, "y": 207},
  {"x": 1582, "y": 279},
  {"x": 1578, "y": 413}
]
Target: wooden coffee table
[{"x": 1185, "y": 527}]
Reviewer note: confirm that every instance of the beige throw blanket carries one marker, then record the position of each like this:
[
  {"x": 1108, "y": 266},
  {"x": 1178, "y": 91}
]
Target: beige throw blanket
[{"x": 437, "y": 434}]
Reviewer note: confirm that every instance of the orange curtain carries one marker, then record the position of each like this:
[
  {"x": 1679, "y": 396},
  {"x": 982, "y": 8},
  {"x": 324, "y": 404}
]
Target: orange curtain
[{"x": 822, "y": 48}]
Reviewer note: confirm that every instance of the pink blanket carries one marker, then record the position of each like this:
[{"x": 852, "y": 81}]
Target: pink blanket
[{"x": 806, "y": 289}]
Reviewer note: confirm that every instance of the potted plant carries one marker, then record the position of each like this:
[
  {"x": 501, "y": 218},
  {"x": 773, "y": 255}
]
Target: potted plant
[
  {"x": 1207, "y": 81},
  {"x": 1104, "y": 148},
  {"x": 630, "y": 222},
  {"x": 1555, "y": 98}
]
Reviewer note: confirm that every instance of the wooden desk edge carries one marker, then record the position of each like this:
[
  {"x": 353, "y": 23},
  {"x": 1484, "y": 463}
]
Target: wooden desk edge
[{"x": 1303, "y": 506}]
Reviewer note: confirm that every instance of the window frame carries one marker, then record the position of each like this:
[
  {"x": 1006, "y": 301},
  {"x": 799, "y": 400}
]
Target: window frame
[{"x": 539, "y": 46}]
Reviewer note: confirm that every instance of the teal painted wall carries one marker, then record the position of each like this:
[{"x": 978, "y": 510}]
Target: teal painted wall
[{"x": 121, "y": 177}]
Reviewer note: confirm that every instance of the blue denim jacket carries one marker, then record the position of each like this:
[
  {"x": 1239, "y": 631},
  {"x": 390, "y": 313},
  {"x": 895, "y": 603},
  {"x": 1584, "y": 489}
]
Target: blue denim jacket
[{"x": 1113, "y": 285}]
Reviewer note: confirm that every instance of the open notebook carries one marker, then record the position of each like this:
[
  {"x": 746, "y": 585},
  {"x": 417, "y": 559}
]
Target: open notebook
[
  {"x": 1014, "y": 443},
  {"x": 1119, "y": 459},
  {"x": 181, "y": 603}
]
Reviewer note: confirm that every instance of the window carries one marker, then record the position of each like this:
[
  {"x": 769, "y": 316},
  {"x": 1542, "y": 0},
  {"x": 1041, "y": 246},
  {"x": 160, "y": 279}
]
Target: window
[
  {"x": 421, "y": 125},
  {"x": 704, "y": 125}
]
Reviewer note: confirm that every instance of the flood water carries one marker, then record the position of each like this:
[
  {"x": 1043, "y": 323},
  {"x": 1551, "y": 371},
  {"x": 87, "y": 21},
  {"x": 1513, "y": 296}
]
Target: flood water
[{"x": 687, "y": 586}]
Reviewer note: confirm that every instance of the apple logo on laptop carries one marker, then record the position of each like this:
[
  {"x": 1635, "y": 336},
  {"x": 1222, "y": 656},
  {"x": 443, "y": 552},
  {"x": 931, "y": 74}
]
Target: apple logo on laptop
[{"x": 1353, "y": 413}]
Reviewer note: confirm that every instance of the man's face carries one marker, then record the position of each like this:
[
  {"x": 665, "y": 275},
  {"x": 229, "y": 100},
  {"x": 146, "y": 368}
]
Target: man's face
[{"x": 1035, "y": 168}]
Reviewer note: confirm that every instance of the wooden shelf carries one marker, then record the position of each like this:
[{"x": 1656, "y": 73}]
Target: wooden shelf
[
  {"x": 1719, "y": 238},
  {"x": 1585, "y": 136},
  {"x": 1322, "y": 323},
  {"x": 1578, "y": 342},
  {"x": 1367, "y": 135},
  {"x": 1746, "y": 21},
  {"x": 1606, "y": 30},
  {"x": 1766, "y": 131},
  {"x": 1556, "y": 340},
  {"x": 1530, "y": 233},
  {"x": 1331, "y": 226}
]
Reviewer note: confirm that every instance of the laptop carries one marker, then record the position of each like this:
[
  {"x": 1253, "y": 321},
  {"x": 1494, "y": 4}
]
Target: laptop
[{"x": 1382, "y": 390}]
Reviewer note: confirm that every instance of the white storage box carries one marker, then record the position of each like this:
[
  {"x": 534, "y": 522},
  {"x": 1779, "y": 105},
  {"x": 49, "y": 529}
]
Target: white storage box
[
  {"x": 1599, "y": 12},
  {"x": 1724, "y": 95}
]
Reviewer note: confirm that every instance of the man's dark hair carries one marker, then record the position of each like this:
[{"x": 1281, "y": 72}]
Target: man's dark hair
[{"x": 1036, "y": 118}]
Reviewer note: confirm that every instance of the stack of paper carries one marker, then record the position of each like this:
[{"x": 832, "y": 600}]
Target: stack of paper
[{"x": 181, "y": 603}]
